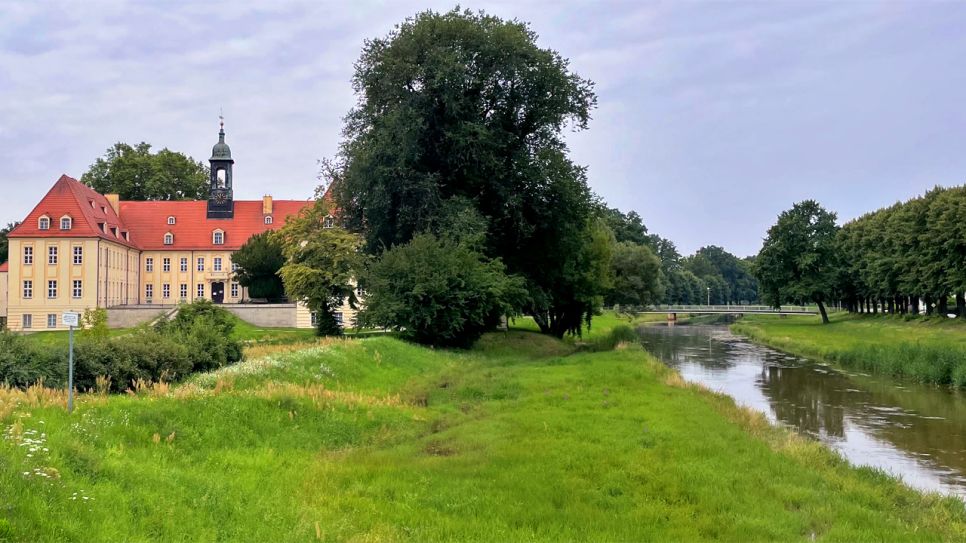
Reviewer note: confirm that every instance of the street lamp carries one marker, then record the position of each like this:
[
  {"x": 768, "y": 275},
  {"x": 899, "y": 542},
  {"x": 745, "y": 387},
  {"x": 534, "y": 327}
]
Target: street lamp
[{"x": 709, "y": 295}]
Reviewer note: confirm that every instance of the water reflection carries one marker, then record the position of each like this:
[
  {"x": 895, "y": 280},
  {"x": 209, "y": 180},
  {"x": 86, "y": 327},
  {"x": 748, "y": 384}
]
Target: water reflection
[{"x": 916, "y": 432}]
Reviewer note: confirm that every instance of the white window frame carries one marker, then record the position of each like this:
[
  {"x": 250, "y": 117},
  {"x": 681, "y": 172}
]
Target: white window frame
[
  {"x": 184, "y": 264},
  {"x": 28, "y": 255},
  {"x": 28, "y": 289},
  {"x": 78, "y": 255},
  {"x": 218, "y": 237},
  {"x": 169, "y": 239},
  {"x": 235, "y": 290},
  {"x": 43, "y": 223},
  {"x": 200, "y": 290},
  {"x": 51, "y": 289},
  {"x": 172, "y": 220},
  {"x": 51, "y": 255},
  {"x": 183, "y": 291},
  {"x": 51, "y": 320},
  {"x": 328, "y": 222},
  {"x": 69, "y": 221},
  {"x": 166, "y": 291},
  {"x": 268, "y": 219},
  {"x": 149, "y": 292},
  {"x": 77, "y": 290},
  {"x": 27, "y": 321},
  {"x": 166, "y": 264},
  {"x": 201, "y": 264},
  {"x": 216, "y": 264},
  {"x": 149, "y": 265}
]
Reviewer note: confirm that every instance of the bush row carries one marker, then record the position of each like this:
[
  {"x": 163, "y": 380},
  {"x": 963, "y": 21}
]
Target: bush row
[{"x": 197, "y": 339}]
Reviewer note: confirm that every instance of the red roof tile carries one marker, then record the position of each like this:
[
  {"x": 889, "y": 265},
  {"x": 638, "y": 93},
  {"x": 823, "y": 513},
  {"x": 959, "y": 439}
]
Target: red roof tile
[
  {"x": 4, "y": 267},
  {"x": 91, "y": 215},
  {"x": 193, "y": 230},
  {"x": 147, "y": 222}
]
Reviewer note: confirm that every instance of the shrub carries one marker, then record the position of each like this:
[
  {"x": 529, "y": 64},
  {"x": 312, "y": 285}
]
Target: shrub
[{"x": 439, "y": 292}]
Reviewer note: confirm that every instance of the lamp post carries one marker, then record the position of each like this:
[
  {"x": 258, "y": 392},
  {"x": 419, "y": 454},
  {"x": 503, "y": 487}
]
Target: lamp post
[{"x": 709, "y": 296}]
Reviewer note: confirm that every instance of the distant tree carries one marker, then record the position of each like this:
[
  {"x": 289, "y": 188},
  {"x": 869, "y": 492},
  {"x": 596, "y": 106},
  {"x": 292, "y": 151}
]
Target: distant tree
[
  {"x": 466, "y": 106},
  {"x": 637, "y": 276},
  {"x": 737, "y": 284},
  {"x": 4, "y": 242},
  {"x": 798, "y": 261},
  {"x": 626, "y": 226},
  {"x": 321, "y": 265},
  {"x": 439, "y": 292},
  {"x": 259, "y": 261},
  {"x": 135, "y": 173}
]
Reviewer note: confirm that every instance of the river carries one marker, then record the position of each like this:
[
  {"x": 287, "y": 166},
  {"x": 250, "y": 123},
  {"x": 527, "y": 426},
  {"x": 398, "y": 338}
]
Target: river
[{"x": 915, "y": 432}]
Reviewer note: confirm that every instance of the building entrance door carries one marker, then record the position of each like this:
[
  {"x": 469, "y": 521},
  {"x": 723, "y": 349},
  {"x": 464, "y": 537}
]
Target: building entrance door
[{"x": 218, "y": 293}]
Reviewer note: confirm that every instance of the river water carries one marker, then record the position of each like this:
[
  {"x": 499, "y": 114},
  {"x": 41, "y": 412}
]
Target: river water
[{"x": 915, "y": 432}]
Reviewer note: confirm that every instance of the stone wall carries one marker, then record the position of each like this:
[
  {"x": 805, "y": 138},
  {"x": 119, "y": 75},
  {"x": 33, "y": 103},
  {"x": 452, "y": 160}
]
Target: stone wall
[
  {"x": 127, "y": 317},
  {"x": 266, "y": 315}
]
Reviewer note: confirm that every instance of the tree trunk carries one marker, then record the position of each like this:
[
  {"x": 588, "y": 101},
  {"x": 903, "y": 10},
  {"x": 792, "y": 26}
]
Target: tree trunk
[
  {"x": 821, "y": 309},
  {"x": 928, "y": 300},
  {"x": 944, "y": 305},
  {"x": 892, "y": 306},
  {"x": 961, "y": 305},
  {"x": 914, "y": 304}
]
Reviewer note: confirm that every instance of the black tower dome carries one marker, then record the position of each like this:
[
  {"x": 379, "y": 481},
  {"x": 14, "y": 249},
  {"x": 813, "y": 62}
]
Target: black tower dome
[{"x": 221, "y": 203}]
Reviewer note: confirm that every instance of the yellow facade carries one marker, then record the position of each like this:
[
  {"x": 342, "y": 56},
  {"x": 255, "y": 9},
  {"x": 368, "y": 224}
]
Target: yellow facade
[
  {"x": 171, "y": 277},
  {"x": 3, "y": 298}
]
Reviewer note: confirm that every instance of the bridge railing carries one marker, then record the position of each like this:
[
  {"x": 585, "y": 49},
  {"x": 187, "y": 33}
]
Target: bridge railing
[{"x": 683, "y": 308}]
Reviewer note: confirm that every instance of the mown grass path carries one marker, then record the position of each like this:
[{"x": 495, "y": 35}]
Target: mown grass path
[{"x": 377, "y": 440}]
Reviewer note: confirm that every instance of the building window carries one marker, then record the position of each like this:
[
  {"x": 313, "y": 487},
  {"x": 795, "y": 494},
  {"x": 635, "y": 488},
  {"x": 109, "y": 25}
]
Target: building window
[
  {"x": 217, "y": 263},
  {"x": 65, "y": 223},
  {"x": 184, "y": 264},
  {"x": 184, "y": 291},
  {"x": 234, "y": 267},
  {"x": 201, "y": 290},
  {"x": 328, "y": 222},
  {"x": 169, "y": 239},
  {"x": 149, "y": 264},
  {"x": 78, "y": 290},
  {"x": 78, "y": 255},
  {"x": 201, "y": 264},
  {"x": 360, "y": 292},
  {"x": 166, "y": 264},
  {"x": 268, "y": 219},
  {"x": 171, "y": 220},
  {"x": 28, "y": 255},
  {"x": 51, "y": 320},
  {"x": 338, "y": 317},
  {"x": 52, "y": 255},
  {"x": 149, "y": 292},
  {"x": 314, "y": 319},
  {"x": 218, "y": 238},
  {"x": 28, "y": 321},
  {"x": 234, "y": 290},
  {"x": 166, "y": 291},
  {"x": 44, "y": 223},
  {"x": 52, "y": 288},
  {"x": 28, "y": 289}
]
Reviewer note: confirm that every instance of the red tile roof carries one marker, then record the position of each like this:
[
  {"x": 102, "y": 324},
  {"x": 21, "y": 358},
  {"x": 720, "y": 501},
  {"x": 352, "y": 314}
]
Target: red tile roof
[
  {"x": 147, "y": 222},
  {"x": 193, "y": 230},
  {"x": 4, "y": 267},
  {"x": 91, "y": 215}
]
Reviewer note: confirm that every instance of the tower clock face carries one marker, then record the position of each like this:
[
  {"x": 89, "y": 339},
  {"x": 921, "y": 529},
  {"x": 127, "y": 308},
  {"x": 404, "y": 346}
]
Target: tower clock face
[{"x": 221, "y": 196}]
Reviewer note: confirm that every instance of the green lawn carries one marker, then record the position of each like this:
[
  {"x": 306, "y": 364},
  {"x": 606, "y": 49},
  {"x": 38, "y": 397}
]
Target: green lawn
[
  {"x": 522, "y": 438},
  {"x": 926, "y": 350}
]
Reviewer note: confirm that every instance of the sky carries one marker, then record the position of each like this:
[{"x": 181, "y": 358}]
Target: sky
[{"x": 712, "y": 117}]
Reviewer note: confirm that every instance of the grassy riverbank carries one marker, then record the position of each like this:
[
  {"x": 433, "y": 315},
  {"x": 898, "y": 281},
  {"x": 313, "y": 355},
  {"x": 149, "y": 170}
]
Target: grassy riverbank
[
  {"x": 523, "y": 438},
  {"x": 928, "y": 351}
]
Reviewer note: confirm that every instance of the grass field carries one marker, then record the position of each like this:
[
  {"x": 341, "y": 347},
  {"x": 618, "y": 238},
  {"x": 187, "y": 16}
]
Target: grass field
[
  {"x": 925, "y": 350},
  {"x": 523, "y": 438}
]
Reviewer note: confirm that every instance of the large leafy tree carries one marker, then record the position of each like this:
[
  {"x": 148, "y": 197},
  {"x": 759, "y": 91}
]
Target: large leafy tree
[
  {"x": 637, "y": 276},
  {"x": 466, "y": 106},
  {"x": 798, "y": 261},
  {"x": 321, "y": 266},
  {"x": 4, "y": 242},
  {"x": 259, "y": 261},
  {"x": 135, "y": 173}
]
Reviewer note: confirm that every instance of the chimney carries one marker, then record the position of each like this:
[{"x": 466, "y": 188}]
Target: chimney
[
  {"x": 266, "y": 205},
  {"x": 114, "y": 200}
]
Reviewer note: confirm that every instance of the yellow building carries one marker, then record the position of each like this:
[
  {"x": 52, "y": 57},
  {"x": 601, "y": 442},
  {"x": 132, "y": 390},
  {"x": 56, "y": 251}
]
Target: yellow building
[{"x": 79, "y": 250}]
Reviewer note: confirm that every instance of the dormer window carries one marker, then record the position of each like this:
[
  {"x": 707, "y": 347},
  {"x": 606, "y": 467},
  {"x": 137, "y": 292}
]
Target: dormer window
[
  {"x": 328, "y": 222},
  {"x": 104, "y": 210},
  {"x": 66, "y": 223},
  {"x": 171, "y": 220},
  {"x": 127, "y": 235},
  {"x": 218, "y": 237},
  {"x": 44, "y": 223},
  {"x": 169, "y": 239},
  {"x": 268, "y": 219},
  {"x": 93, "y": 205},
  {"x": 114, "y": 231}
]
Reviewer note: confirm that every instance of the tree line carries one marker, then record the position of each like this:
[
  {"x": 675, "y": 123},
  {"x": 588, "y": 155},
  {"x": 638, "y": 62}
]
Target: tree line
[{"x": 908, "y": 258}]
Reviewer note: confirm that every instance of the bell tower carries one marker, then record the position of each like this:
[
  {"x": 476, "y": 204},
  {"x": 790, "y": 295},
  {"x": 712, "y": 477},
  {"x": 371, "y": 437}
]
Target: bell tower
[{"x": 221, "y": 204}]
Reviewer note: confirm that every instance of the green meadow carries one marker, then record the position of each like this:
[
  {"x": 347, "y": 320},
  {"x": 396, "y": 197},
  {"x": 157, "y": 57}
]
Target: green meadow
[
  {"x": 926, "y": 350},
  {"x": 523, "y": 438}
]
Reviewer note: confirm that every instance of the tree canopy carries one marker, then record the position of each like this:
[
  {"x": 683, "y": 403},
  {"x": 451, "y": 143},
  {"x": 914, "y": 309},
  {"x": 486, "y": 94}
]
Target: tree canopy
[
  {"x": 798, "y": 259},
  {"x": 135, "y": 173},
  {"x": 259, "y": 261},
  {"x": 4, "y": 242},
  {"x": 465, "y": 107}
]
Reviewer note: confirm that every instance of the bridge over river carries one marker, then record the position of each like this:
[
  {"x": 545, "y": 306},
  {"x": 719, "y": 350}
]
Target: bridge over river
[{"x": 729, "y": 310}]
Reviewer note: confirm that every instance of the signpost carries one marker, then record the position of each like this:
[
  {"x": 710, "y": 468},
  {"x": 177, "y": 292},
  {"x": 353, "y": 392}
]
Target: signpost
[{"x": 71, "y": 320}]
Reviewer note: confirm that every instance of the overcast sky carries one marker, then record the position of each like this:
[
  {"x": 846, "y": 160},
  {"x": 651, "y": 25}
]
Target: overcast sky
[{"x": 712, "y": 118}]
